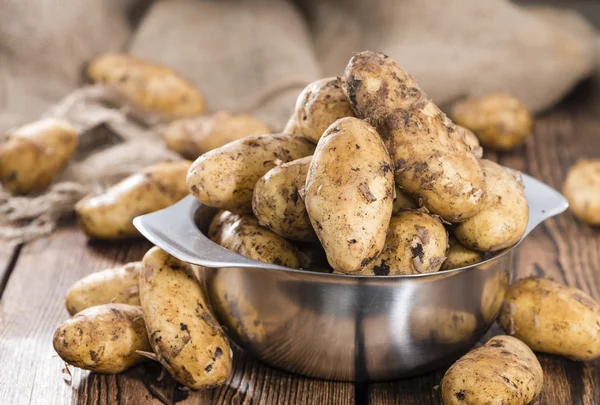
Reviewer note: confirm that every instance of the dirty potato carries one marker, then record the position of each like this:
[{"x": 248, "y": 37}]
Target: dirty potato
[
  {"x": 503, "y": 371},
  {"x": 460, "y": 256},
  {"x": 109, "y": 215},
  {"x": 349, "y": 194},
  {"x": 470, "y": 139},
  {"x": 103, "y": 338},
  {"x": 499, "y": 120},
  {"x": 220, "y": 224},
  {"x": 152, "y": 91},
  {"x": 34, "y": 153},
  {"x": 183, "y": 333},
  {"x": 582, "y": 190},
  {"x": 248, "y": 238},
  {"x": 431, "y": 160},
  {"x": 402, "y": 202},
  {"x": 191, "y": 137},
  {"x": 552, "y": 318},
  {"x": 416, "y": 243},
  {"x": 118, "y": 285},
  {"x": 277, "y": 203},
  {"x": 503, "y": 220},
  {"x": 291, "y": 127},
  {"x": 319, "y": 105},
  {"x": 225, "y": 177}
]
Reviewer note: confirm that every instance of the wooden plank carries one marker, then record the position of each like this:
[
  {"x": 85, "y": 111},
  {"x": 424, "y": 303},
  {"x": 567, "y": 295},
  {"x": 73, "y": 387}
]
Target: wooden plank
[
  {"x": 561, "y": 248},
  {"x": 31, "y": 373},
  {"x": 8, "y": 258}
]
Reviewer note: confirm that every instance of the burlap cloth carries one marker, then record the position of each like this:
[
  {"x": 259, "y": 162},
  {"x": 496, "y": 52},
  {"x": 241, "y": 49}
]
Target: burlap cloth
[{"x": 255, "y": 56}]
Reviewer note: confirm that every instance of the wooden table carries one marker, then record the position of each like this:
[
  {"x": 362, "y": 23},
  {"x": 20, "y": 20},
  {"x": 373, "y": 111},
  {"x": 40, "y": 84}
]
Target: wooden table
[{"x": 35, "y": 277}]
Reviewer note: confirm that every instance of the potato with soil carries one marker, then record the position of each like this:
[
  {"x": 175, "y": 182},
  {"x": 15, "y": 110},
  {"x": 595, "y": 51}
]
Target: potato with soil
[
  {"x": 582, "y": 190},
  {"x": 552, "y": 318},
  {"x": 103, "y": 338},
  {"x": 432, "y": 162},
  {"x": 118, "y": 285},
  {"x": 248, "y": 238},
  {"x": 152, "y": 91},
  {"x": 225, "y": 177},
  {"x": 35, "y": 153},
  {"x": 416, "y": 243},
  {"x": 319, "y": 105},
  {"x": 191, "y": 137},
  {"x": 109, "y": 215},
  {"x": 503, "y": 220},
  {"x": 503, "y": 371},
  {"x": 349, "y": 194},
  {"x": 183, "y": 333},
  {"x": 403, "y": 202},
  {"x": 277, "y": 203},
  {"x": 221, "y": 223},
  {"x": 460, "y": 256},
  {"x": 499, "y": 120}
]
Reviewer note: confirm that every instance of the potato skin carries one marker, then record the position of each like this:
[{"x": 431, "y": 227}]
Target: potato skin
[
  {"x": 402, "y": 202},
  {"x": 504, "y": 371},
  {"x": 431, "y": 160},
  {"x": 416, "y": 243},
  {"x": 191, "y": 137},
  {"x": 148, "y": 87},
  {"x": 503, "y": 220},
  {"x": 248, "y": 238},
  {"x": 35, "y": 153},
  {"x": 220, "y": 224},
  {"x": 225, "y": 177},
  {"x": 460, "y": 256},
  {"x": 552, "y": 318},
  {"x": 183, "y": 332},
  {"x": 582, "y": 190},
  {"x": 103, "y": 338},
  {"x": 470, "y": 139},
  {"x": 319, "y": 105},
  {"x": 118, "y": 285},
  {"x": 277, "y": 203},
  {"x": 349, "y": 194},
  {"x": 109, "y": 215},
  {"x": 501, "y": 121}
]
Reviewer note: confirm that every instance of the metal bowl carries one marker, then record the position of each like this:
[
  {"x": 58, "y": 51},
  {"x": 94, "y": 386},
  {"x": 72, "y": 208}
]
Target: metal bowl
[{"x": 338, "y": 327}]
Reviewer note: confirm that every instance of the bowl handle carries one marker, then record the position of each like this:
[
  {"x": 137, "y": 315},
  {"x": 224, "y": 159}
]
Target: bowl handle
[
  {"x": 174, "y": 230},
  {"x": 544, "y": 202}
]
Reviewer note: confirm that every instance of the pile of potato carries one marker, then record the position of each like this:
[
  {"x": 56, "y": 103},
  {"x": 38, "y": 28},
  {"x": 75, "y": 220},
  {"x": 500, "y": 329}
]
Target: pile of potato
[{"x": 369, "y": 177}]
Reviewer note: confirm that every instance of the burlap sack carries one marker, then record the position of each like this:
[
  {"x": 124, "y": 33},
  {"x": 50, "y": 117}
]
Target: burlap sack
[
  {"x": 251, "y": 55},
  {"x": 469, "y": 47}
]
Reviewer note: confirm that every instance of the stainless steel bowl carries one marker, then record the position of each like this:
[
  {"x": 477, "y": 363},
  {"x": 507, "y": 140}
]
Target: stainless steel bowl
[{"x": 350, "y": 328}]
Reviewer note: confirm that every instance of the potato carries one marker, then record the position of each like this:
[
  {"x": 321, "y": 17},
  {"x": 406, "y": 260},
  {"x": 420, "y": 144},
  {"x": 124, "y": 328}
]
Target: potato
[
  {"x": 499, "y": 120},
  {"x": 118, "y": 285},
  {"x": 191, "y": 137},
  {"x": 291, "y": 127},
  {"x": 221, "y": 222},
  {"x": 319, "y": 105},
  {"x": 247, "y": 237},
  {"x": 504, "y": 219},
  {"x": 277, "y": 204},
  {"x": 403, "y": 201},
  {"x": 183, "y": 333},
  {"x": 582, "y": 190},
  {"x": 470, "y": 139},
  {"x": 416, "y": 243},
  {"x": 460, "y": 256},
  {"x": 109, "y": 215},
  {"x": 503, "y": 371},
  {"x": 103, "y": 338},
  {"x": 349, "y": 194},
  {"x": 552, "y": 318},
  {"x": 150, "y": 89},
  {"x": 431, "y": 160},
  {"x": 225, "y": 177},
  {"x": 34, "y": 153}
]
